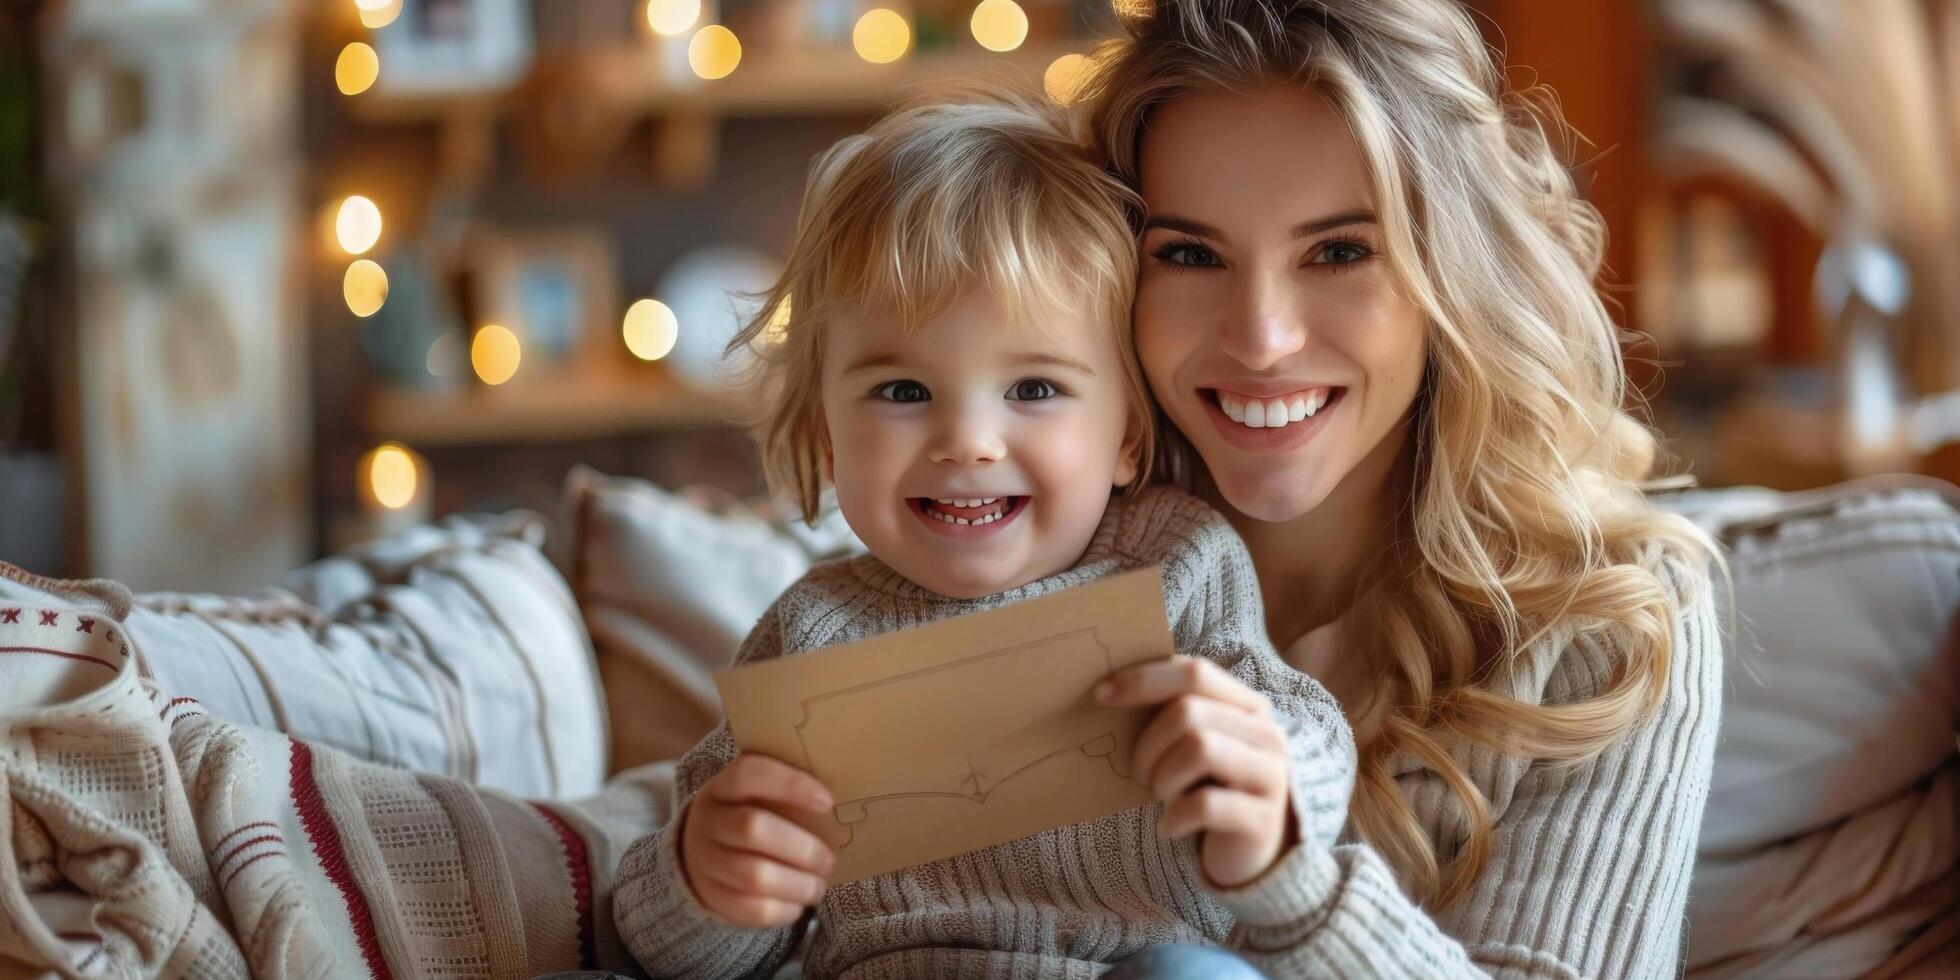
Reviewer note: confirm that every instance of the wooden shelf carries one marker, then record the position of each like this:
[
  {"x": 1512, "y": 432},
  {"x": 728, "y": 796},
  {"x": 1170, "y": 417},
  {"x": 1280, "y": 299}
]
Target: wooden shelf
[
  {"x": 546, "y": 410},
  {"x": 826, "y": 80},
  {"x": 642, "y": 78}
]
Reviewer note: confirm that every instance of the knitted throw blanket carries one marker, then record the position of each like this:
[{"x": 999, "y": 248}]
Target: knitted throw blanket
[{"x": 140, "y": 836}]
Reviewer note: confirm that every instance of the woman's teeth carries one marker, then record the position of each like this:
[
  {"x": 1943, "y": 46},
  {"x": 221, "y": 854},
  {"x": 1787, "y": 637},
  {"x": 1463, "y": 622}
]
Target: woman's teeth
[{"x": 1273, "y": 413}]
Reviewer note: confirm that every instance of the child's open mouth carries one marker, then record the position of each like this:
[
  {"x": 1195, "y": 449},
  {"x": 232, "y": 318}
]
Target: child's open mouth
[{"x": 957, "y": 514}]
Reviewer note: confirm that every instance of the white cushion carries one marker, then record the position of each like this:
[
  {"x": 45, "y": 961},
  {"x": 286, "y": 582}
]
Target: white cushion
[
  {"x": 1833, "y": 804},
  {"x": 454, "y": 649},
  {"x": 670, "y": 584}
]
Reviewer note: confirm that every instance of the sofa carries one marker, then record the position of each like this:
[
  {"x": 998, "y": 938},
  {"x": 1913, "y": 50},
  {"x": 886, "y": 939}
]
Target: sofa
[{"x": 566, "y": 660}]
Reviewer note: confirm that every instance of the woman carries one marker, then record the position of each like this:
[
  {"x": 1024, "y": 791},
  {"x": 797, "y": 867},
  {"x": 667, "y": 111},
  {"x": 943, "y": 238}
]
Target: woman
[{"x": 1366, "y": 302}]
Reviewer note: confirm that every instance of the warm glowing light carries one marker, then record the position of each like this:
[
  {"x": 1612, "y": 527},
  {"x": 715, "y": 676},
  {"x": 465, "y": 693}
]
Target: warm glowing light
[
  {"x": 376, "y": 14},
  {"x": 999, "y": 25},
  {"x": 392, "y": 475},
  {"x": 650, "y": 329},
  {"x": 495, "y": 354},
  {"x": 357, "y": 225},
  {"x": 1064, "y": 77},
  {"x": 445, "y": 354},
  {"x": 1131, "y": 8},
  {"x": 714, "y": 52},
  {"x": 777, "y": 329},
  {"x": 881, "y": 36},
  {"x": 672, "y": 17},
  {"x": 356, "y": 68},
  {"x": 365, "y": 287}
]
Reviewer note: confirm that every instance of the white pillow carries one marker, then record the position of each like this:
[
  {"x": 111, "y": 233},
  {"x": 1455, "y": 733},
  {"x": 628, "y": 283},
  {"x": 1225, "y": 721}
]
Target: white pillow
[
  {"x": 1832, "y": 801},
  {"x": 454, "y": 649},
  {"x": 670, "y": 584}
]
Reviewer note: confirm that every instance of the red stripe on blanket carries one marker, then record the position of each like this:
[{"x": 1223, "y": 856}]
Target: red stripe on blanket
[
  {"x": 61, "y": 653},
  {"x": 578, "y": 863},
  {"x": 242, "y": 848},
  {"x": 250, "y": 826},
  {"x": 332, "y": 854},
  {"x": 235, "y": 872}
]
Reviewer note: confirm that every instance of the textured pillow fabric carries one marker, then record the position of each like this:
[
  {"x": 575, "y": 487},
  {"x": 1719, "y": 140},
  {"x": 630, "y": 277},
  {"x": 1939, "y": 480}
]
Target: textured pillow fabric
[
  {"x": 142, "y": 836},
  {"x": 454, "y": 649},
  {"x": 1829, "y": 841},
  {"x": 669, "y": 585}
]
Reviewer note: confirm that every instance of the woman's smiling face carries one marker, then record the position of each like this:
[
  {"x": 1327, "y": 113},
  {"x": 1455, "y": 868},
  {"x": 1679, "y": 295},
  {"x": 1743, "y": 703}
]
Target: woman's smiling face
[{"x": 1268, "y": 322}]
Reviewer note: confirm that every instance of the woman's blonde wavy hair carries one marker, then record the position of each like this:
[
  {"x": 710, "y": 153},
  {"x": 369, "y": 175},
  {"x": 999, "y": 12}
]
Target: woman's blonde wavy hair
[{"x": 1526, "y": 522}]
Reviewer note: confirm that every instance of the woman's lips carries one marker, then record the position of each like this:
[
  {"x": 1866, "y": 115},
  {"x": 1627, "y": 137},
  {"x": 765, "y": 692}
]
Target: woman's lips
[{"x": 1292, "y": 434}]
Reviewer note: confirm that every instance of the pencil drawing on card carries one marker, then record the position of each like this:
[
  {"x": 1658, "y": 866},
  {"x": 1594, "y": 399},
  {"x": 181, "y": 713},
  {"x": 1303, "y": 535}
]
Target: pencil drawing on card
[{"x": 967, "y": 727}]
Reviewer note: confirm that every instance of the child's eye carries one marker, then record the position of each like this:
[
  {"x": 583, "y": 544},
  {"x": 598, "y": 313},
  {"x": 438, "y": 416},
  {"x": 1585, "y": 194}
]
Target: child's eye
[
  {"x": 1186, "y": 253},
  {"x": 903, "y": 392},
  {"x": 1032, "y": 390}
]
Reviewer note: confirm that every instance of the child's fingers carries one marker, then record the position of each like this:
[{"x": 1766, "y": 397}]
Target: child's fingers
[
  {"x": 1216, "y": 810},
  {"x": 753, "y": 778},
  {"x": 1214, "y": 756},
  {"x": 758, "y": 913},
  {"x": 754, "y": 829},
  {"x": 1189, "y": 714},
  {"x": 1162, "y": 680},
  {"x": 754, "y": 876}
]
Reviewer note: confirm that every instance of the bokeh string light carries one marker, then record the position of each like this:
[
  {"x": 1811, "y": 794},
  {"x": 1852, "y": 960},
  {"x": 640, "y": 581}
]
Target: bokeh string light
[
  {"x": 714, "y": 52},
  {"x": 881, "y": 36},
  {"x": 999, "y": 25}
]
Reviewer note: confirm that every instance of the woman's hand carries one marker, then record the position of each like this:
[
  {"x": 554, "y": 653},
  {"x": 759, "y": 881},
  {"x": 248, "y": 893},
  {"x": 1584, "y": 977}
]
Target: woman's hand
[
  {"x": 744, "y": 858},
  {"x": 1217, "y": 758}
]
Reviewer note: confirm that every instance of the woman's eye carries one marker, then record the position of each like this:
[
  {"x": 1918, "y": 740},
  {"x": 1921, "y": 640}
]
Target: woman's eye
[
  {"x": 1188, "y": 254},
  {"x": 1032, "y": 390},
  {"x": 1343, "y": 253},
  {"x": 902, "y": 391}
]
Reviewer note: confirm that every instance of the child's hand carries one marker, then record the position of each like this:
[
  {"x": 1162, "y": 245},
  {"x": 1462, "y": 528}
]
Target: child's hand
[
  {"x": 1216, "y": 757},
  {"x": 745, "y": 860}
]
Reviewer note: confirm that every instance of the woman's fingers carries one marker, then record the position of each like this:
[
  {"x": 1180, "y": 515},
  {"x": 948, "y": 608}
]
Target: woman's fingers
[
  {"x": 1209, "y": 755},
  {"x": 760, "y": 779},
  {"x": 759, "y": 831},
  {"x": 1162, "y": 680}
]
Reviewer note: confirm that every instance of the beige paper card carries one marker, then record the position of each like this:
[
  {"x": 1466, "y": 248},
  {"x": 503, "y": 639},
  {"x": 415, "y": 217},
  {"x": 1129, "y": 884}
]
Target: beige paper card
[{"x": 965, "y": 733}]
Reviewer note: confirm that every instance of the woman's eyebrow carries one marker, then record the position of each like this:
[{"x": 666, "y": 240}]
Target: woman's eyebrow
[
  {"x": 1357, "y": 216},
  {"x": 1305, "y": 229},
  {"x": 1187, "y": 226}
]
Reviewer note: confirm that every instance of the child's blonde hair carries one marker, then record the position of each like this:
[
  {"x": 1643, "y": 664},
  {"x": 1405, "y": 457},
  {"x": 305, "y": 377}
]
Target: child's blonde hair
[{"x": 901, "y": 220}]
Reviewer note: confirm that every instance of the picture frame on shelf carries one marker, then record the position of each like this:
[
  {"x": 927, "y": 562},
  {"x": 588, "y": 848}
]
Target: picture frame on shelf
[
  {"x": 454, "y": 48},
  {"x": 555, "y": 290}
]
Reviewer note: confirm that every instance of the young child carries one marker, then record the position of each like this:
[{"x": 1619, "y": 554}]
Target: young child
[{"x": 957, "y": 367}]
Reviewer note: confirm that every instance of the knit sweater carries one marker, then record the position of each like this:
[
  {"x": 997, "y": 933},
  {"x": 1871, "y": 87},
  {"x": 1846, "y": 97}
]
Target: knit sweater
[{"x": 1588, "y": 875}]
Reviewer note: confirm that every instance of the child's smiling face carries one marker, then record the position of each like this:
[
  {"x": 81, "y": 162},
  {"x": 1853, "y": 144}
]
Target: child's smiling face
[{"x": 976, "y": 455}]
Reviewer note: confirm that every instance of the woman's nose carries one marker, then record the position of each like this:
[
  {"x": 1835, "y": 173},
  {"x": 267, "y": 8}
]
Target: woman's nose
[{"x": 1266, "y": 325}]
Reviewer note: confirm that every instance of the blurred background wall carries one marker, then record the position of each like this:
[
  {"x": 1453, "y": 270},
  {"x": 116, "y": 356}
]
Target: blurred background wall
[{"x": 280, "y": 275}]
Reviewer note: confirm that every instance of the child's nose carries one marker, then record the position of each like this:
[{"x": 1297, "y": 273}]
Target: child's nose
[{"x": 968, "y": 438}]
